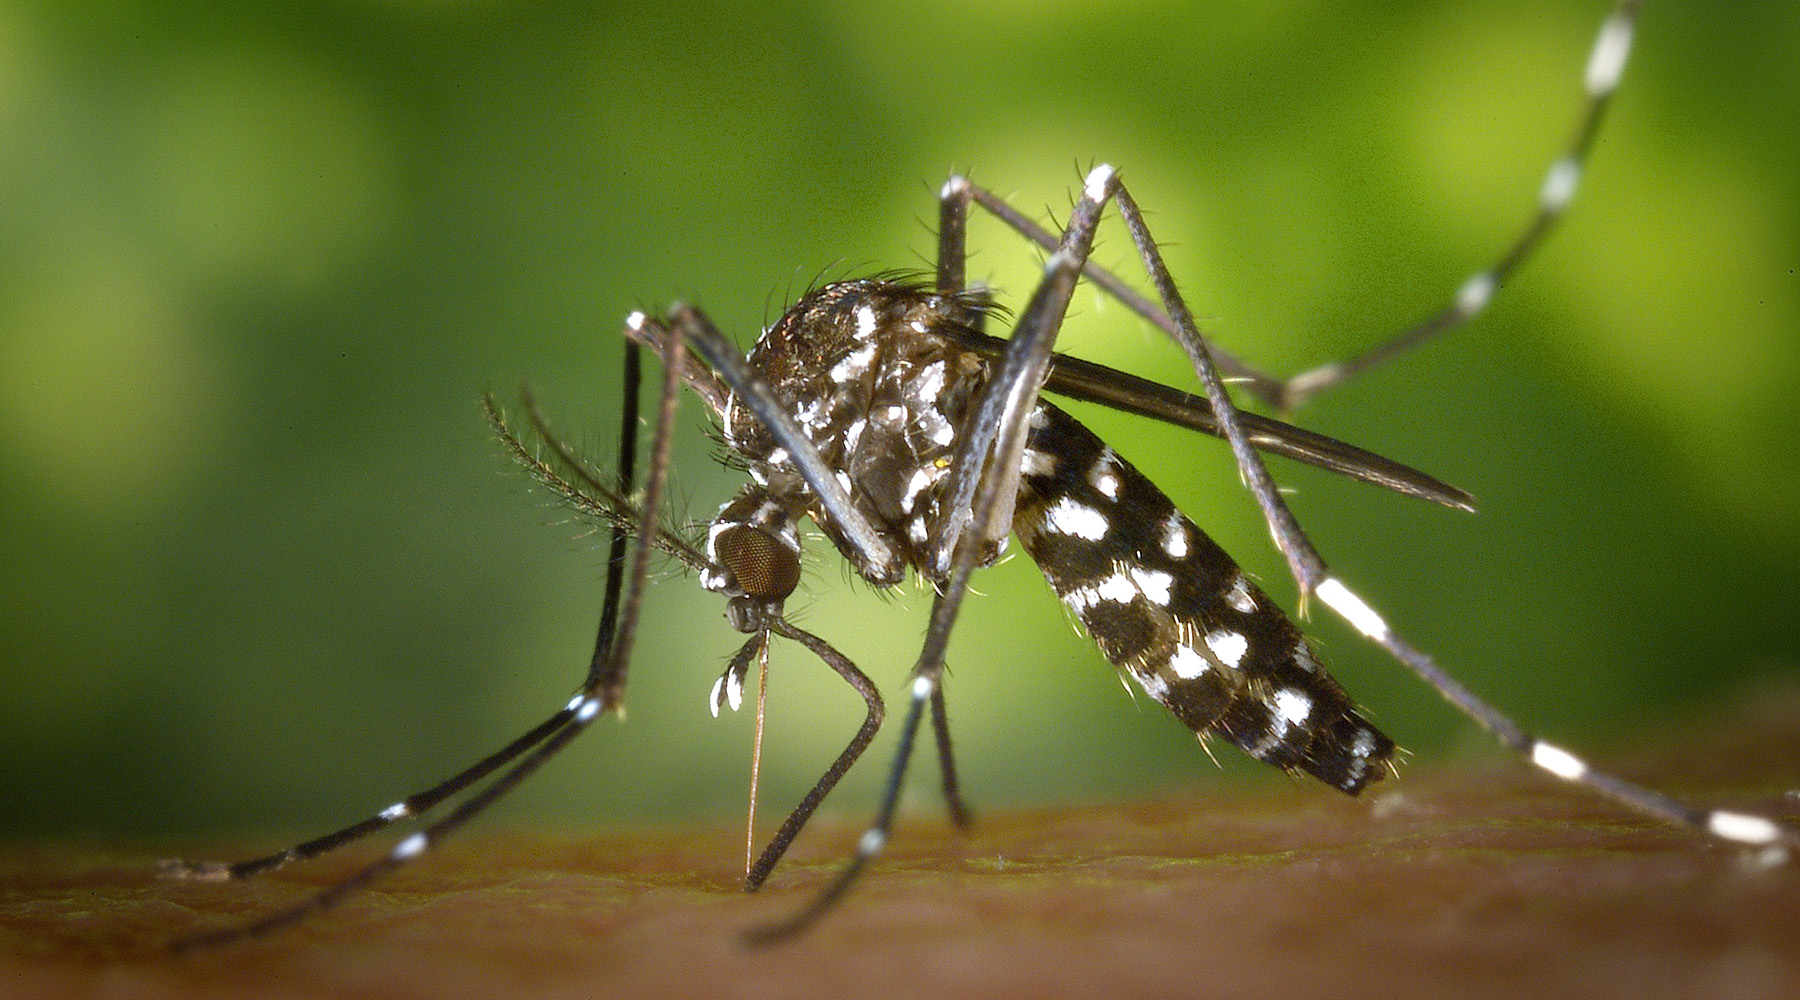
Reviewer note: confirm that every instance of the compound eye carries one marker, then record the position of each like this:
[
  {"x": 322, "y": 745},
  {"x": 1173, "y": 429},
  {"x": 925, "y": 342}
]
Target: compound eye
[{"x": 765, "y": 567}]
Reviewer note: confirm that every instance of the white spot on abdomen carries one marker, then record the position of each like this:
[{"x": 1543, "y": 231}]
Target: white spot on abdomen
[
  {"x": 1175, "y": 537},
  {"x": 1238, "y": 596},
  {"x": 1228, "y": 646},
  {"x": 1117, "y": 588},
  {"x": 1069, "y": 517},
  {"x": 1291, "y": 708},
  {"x": 1102, "y": 475},
  {"x": 1154, "y": 583},
  {"x": 1188, "y": 663}
]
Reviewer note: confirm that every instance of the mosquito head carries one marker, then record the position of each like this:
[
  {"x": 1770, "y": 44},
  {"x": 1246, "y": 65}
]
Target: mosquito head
[{"x": 754, "y": 549}]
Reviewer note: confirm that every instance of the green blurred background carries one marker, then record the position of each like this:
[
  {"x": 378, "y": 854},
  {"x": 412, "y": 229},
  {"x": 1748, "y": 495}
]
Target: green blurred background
[{"x": 264, "y": 569}]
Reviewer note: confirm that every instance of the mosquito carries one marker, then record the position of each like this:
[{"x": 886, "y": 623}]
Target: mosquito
[{"x": 881, "y": 410}]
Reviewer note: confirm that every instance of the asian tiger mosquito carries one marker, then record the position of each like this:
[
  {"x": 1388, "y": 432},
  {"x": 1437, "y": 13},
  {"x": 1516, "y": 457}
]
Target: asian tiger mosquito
[{"x": 883, "y": 411}]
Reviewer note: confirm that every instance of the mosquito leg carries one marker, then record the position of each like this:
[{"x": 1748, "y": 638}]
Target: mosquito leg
[
  {"x": 1303, "y": 561},
  {"x": 952, "y": 257},
  {"x": 953, "y": 230},
  {"x": 998, "y": 424},
  {"x": 1131, "y": 298},
  {"x": 617, "y": 632},
  {"x": 1314, "y": 578},
  {"x": 977, "y": 509},
  {"x": 413, "y": 805},
  {"x": 940, "y": 724},
  {"x": 420, "y": 802},
  {"x": 600, "y": 677},
  {"x": 1776, "y": 839},
  {"x": 873, "y": 841},
  {"x": 1605, "y": 66},
  {"x": 407, "y": 849},
  {"x": 790, "y": 828}
]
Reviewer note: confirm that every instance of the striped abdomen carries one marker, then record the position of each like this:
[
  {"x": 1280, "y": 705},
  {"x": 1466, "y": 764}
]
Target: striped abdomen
[{"x": 1167, "y": 605}]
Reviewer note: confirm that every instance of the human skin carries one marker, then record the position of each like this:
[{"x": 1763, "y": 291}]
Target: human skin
[{"x": 1455, "y": 879}]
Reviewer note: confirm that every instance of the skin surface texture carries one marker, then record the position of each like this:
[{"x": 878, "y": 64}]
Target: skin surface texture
[{"x": 1453, "y": 879}]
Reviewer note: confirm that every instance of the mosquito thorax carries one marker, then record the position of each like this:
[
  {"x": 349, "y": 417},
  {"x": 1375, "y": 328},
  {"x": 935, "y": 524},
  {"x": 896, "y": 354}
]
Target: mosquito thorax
[{"x": 879, "y": 394}]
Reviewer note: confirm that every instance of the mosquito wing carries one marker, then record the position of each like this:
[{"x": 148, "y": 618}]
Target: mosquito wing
[{"x": 1096, "y": 383}]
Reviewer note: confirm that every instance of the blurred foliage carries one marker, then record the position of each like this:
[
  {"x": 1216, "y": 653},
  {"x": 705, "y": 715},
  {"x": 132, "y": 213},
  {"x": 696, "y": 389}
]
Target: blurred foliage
[{"x": 257, "y": 263}]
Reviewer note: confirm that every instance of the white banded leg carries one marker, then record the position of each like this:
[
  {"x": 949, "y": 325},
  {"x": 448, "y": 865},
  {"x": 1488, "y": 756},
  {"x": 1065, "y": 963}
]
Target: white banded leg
[
  {"x": 1605, "y": 66},
  {"x": 1735, "y": 827},
  {"x": 601, "y": 692},
  {"x": 1313, "y": 577},
  {"x": 1600, "y": 78},
  {"x": 977, "y": 507},
  {"x": 411, "y": 806},
  {"x": 998, "y": 427}
]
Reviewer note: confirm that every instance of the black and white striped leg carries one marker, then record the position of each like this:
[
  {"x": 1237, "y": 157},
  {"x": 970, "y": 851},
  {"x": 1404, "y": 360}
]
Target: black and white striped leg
[
  {"x": 1600, "y": 79},
  {"x": 1775, "y": 840},
  {"x": 601, "y": 692},
  {"x": 419, "y": 803},
  {"x": 1313, "y": 577},
  {"x": 412, "y": 806},
  {"x": 1303, "y": 561},
  {"x": 1605, "y": 67},
  {"x": 998, "y": 427},
  {"x": 978, "y": 510}
]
